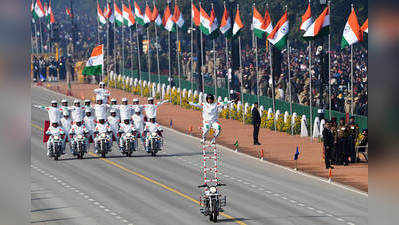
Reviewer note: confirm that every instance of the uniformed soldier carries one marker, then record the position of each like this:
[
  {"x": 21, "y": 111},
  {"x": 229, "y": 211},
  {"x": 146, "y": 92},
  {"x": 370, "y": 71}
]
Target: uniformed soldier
[
  {"x": 353, "y": 134},
  {"x": 333, "y": 128},
  {"x": 343, "y": 134},
  {"x": 328, "y": 141}
]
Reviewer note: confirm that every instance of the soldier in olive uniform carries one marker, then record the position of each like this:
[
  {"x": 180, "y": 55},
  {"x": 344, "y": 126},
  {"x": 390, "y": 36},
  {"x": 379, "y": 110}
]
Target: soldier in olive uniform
[
  {"x": 353, "y": 130},
  {"x": 343, "y": 134},
  {"x": 328, "y": 141}
]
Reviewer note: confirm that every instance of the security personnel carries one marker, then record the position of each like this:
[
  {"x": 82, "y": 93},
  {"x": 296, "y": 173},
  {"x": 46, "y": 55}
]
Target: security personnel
[
  {"x": 353, "y": 134},
  {"x": 343, "y": 134},
  {"x": 333, "y": 128},
  {"x": 328, "y": 141},
  {"x": 256, "y": 121}
]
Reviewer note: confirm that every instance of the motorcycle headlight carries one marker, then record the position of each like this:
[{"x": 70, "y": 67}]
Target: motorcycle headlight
[
  {"x": 128, "y": 135},
  {"x": 56, "y": 137},
  {"x": 212, "y": 190},
  {"x": 154, "y": 135},
  {"x": 103, "y": 135},
  {"x": 80, "y": 136}
]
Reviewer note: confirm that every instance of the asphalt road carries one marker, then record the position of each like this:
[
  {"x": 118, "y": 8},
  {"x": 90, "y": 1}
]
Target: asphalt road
[{"x": 163, "y": 190}]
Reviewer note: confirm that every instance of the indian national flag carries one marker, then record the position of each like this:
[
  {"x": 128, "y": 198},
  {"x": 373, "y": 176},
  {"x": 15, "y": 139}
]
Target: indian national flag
[
  {"x": 195, "y": 15},
  {"x": 147, "y": 15},
  {"x": 167, "y": 21},
  {"x": 156, "y": 17},
  {"x": 118, "y": 15},
  {"x": 225, "y": 24},
  {"x": 278, "y": 37},
  {"x": 178, "y": 17},
  {"x": 268, "y": 23},
  {"x": 323, "y": 21},
  {"x": 214, "y": 24},
  {"x": 352, "y": 32},
  {"x": 205, "y": 22},
  {"x": 38, "y": 11},
  {"x": 95, "y": 63},
  {"x": 138, "y": 15},
  {"x": 307, "y": 19},
  {"x": 365, "y": 27},
  {"x": 52, "y": 20},
  {"x": 257, "y": 23},
  {"x": 100, "y": 16},
  {"x": 127, "y": 20},
  {"x": 237, "y": 23}
]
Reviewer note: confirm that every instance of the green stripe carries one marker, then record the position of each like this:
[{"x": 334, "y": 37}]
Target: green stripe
[
  {"x": 344, "y": 43},
  {"x": 204, "y": 29},
  {"x": 282, "y": 43},
  {"x": 259, "y": 33},
  {"x": 92, "y": 70}
]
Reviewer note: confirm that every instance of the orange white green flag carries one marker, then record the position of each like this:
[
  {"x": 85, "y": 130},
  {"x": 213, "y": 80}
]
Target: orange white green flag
[
  {"x": 278, "y": 37},
  {"x": 95, "y": 63},
  {"x": 352, "y": 32}
]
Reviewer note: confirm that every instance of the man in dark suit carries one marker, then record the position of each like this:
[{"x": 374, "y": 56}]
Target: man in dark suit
[
  {"x": 256, "y": 122},
  {"x": 328, "y": 142}
]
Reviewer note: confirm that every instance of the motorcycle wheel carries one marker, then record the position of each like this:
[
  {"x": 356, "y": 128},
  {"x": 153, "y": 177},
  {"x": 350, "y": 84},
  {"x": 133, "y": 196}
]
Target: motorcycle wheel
[
  {"x": 103, "y": 154},
  {"x": 215, "y": 217},
  {"x": 55, "y": 157}
]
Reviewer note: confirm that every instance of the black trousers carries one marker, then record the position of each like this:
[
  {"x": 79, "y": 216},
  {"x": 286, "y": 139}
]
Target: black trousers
[
  {"x": 328, "y": 156},
  {"x": 256, "y": 133}
]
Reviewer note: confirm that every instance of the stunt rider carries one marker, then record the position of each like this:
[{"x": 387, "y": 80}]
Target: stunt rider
[
  {"x": 88, "y": 106},
  {"x": 64, "y": 105},
  {"x": 102, "y": 93},
  {"x": 138, "y": 122},
  {"x": 115, "y": 106},
  {"x": 90, "y": 123},
  {"x": 210, "y": 112},
  {"x": 124, "y": 128},
  {"x": 100, "y": 109},
  {"x": 150, "y": 128},
  {"x": 125, "y": 110},
  {"x": 78, "y": 129},
  {"x": 77, "y": 111},
  {"x": 114, "y": 121},
  {"x": 151, "y": 108},
  {"x": 54, "y": 129},
  {"x": 54, "y": 113},
  {"x": 102, "y": 127},
  {"x": 66, "y": 125}
]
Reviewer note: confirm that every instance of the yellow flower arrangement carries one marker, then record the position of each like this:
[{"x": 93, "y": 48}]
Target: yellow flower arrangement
[
  {"x": 270, "y": 122},
  {"x": 263, "y": 119}
]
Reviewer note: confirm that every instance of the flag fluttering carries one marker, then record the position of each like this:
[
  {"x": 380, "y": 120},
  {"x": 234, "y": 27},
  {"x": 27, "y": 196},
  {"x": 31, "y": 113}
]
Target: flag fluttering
[
  {"x": 147, "y": 14},
  {"x": 258, "y": 23},
  {"x": 38, "y": 11},
  {"x": 95, "y": 63},
  {"x": 118, "y": 15},
  {"x": 167, "y": 21},
  {"x": 352, "y": 32},
  {"x": 225, "y": 24},
  {"x": 307, "y": 19},
  {"x": 100, "y": 16},
  {"x": 321, "y": 23},
  {"x": 68, "y": 12},
  {"x": 138, "y": 16},
  {"x": 155, "y": 17},
  {"x": 268, "y": 22},
  {"x": 278, "y": 37},
  {"x": 178, "y": 17},
  {"x": 238, "y": 25},
  {"x": 214, "y": 24},
  {"x": 365, "y": 27},
  {"x": 205, "y": 22},
  {"x": 195, "y": 15},
  {"x": 127, "y": 13}
]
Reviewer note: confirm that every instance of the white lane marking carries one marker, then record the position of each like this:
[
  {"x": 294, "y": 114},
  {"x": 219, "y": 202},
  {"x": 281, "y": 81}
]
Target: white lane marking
[
  {"x": 300, "y": 204},
  {"x": 86, "y": 196},
  {"x": 107, "y": 210},
  {"x": 125, "y": 221},
  {"x": 311, "y": 208},
  {"x": 284, "y": 198},
  {"x": 96, "y": 203},
  {"x": 339, "y": 219},
  {"x": 350, "y": 223},
  {"x": 90, "y": 199},
  {"x": 293, "y": 201},
  {"x": 112, "y": 213},
  {"x": 101, "y": 206},
  {"x": 119, "y": 217},
  {"x": 319, "y": 211},
  {"x": 329, "y": 215}
]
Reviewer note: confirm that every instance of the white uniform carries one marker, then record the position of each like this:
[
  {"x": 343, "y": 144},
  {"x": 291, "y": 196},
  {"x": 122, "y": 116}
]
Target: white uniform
[
  {"x": 54, "y": 113},
  {"x": 77, "y": 113},
  {"x": 114, "y": 124},
  {"x": 138, "y": 123},
  {"x": 88, "y": 108},
  {"x": 125, "y": 128},
  {"x": 90, "y": 123},
  {"x": 66, "y": 125},
  {"x": 149, "y": 129},
  {"x": 210, "y": 114},
  {"x": 151, "y": 109},
  {"x": 116, "y": 108},
  {"x": 100, "y": 111},
  {"x": 102, "y": 94},
  {"x": 55, "y": 131},
  {"x": 125, "y": 111}
]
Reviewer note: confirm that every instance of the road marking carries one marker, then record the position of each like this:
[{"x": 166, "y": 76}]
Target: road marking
[
  {"x": 161, "y": 185},
  {"x": 350, "y": 223},
  {"x": 339, "y": 219}
]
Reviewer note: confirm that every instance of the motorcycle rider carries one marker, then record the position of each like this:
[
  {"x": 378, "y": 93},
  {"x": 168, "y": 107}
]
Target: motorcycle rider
[
  {"x": 90, "y": 123},
  {"x": 54, "y": 129},
  {"x": 114, "y": 121},
  {"x": 124, "y": 128},
  {"x": 78, "y": 129},
  {"x": 138, "y": 122},
  {"x": 151, "y": 108},
  {"x": 54, "y": 113},
  {"x": 150, "y": 128},
  {"x": 102, "y": 127},
  {"x": 64, "y": 105},
  {"x": 102, "y": 93},
  {"x": 115, "y": 106},
  {"x": 100, "y": 109},
  {"x": 125, "y": 110},
  {"x": 66, "y": 124},
  {"x": 77, "y": 111},
  {"x": 87, "y": 105},
  {"x": 210, "y": 112}
]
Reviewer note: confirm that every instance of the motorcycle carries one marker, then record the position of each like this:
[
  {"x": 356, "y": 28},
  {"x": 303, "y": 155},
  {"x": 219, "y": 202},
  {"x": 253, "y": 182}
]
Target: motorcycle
[
  {"x": 154, "y": 144},
  {"x": 56, "y": 147},
  {"x": 103, "y": 143},
  {"x": 212, "y": 201},
  {"x": 80, "y": 146},
  {"x": 129, "y": 144}
]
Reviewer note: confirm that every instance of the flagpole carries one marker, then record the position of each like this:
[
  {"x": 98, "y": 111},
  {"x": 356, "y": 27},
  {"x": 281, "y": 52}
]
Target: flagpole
[
  {"x": 98, "y": 26},
  {"x": 178, "y": 60},
  {"x": 138, "y": 54},
  {"x": 310, "y": 90},
  {"x": 192, "y": 47},
  {"x": 289, "y": 73},
  {"x": 329, "y": 67},
  {"x": 352, "y": 72},
  {"x": 202, "y": 59},
  {"x": 106, "y": 54},
  {"x": 123, "y": 50},
  {"x": 36, "y": 38},
  {"x": 156, "y": 41},
  {"x": 169, "y": 66},
  {"x": 255, "y": 45},
  {"x": 114, "y": 50},
  {"x": 41, "y": 36},
  {"x": 131, "y": 51},
  {"x": 148, "y": 56},
  {"x": 242, "y": 75},
  {"x": 102, "y": 67},
  {"x": 271, "y": 76},
  {"x": 214, "y": 62}
]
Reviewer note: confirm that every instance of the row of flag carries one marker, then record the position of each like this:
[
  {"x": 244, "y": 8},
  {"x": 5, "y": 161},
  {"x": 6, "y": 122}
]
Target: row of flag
[{"x": 39, "y": 11}]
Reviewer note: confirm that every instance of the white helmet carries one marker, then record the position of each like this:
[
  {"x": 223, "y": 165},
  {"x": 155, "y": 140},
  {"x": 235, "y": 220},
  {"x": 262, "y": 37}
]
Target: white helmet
[
  {"x": 64, "y": 101},
  {"x": 136, "y": 100},
  {"x": 76, "y": 101},
  {"x": 124, "y": 99},
  {"x": 65, "y": 113},
  {"x": 137, "y": 110},
  {"x": 113, "y": 100},
  {"x": 53, "y": 102},
  {"x": 150, "y": 99},
  {"x": 101, "y": 84}
]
